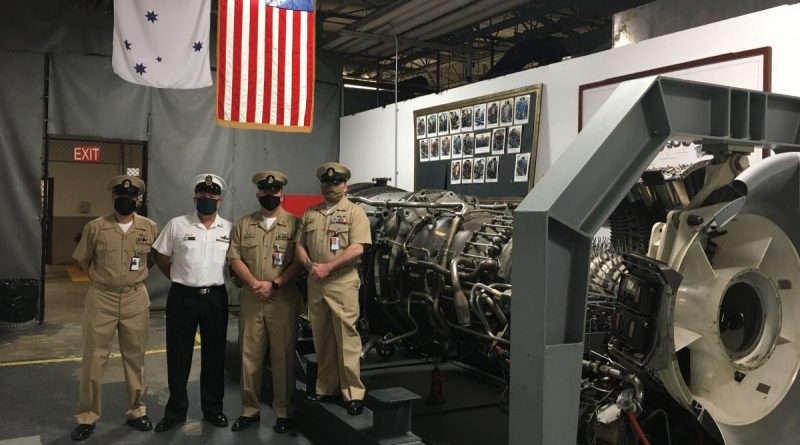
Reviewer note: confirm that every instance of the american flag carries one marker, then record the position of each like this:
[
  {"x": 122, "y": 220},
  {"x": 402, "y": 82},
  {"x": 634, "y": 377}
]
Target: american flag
[{"x": 265, "y": 73}]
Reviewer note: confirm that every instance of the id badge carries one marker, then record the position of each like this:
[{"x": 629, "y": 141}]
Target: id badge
[
  {"x": 277, "y": 258},
  {"x": 335, "y": 243},
  {"x": 135, "y": 263}
]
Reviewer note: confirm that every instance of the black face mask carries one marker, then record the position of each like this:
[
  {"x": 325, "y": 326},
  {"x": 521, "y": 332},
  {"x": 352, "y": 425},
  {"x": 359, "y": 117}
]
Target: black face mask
[
  {"x": 270, "y": 202},
  {"x": 206, "y": 206},
  {"x": 124, "y": 205}
]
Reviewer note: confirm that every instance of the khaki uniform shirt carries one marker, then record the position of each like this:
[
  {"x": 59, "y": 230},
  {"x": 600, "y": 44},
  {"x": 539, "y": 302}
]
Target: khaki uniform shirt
[
  {"x": 113, "y": 258},
  {"x": 266, "y": 251},
  {"x": 347, "y": 221}
]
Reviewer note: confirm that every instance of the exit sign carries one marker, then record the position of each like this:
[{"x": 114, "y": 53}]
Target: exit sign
[{"x": 86, "y": 154}]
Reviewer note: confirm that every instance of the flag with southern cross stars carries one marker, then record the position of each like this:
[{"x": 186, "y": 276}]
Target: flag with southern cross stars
[
  {"x": 265, "y": 72},
  {"x": 162, "y": 44}
]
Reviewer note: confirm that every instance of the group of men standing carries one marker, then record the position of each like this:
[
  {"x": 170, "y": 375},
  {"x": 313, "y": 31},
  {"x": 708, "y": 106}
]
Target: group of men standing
[{"x": 267, "y": 250}]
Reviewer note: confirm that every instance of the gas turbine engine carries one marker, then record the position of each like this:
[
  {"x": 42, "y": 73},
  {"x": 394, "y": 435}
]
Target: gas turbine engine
[
  {"x": 709, "y": 312},
  {"x": 439, "y": 269},
  {"x": 695, "y": 295}
]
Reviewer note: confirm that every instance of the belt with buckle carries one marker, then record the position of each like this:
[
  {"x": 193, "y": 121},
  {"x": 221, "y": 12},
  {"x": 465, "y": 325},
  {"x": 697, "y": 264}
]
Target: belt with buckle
[
  {"x": 117, "y": 289},
  {"x": 199, "y": 290}
]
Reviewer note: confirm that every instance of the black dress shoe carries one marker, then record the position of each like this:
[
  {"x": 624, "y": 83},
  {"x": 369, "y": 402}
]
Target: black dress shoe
[
  {"x": 243, "y": 422},
  {"x": 218, "y": 420},
  {"x": 82, "y": 431},
  {"x": 354, "y": 407},
  {"x": 141, "y": 423},
  {"x": 167, "y": 423},
  {"x": 323, "y": 398},
  {"x": 282, "y": 425}
]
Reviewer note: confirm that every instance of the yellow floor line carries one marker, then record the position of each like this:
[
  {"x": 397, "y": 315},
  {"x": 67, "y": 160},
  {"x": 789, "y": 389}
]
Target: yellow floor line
[{"x": 71, "y": 359}]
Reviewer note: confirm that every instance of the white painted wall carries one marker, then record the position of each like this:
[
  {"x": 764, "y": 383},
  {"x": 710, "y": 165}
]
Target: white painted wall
[{"x": 367, "y": 139}]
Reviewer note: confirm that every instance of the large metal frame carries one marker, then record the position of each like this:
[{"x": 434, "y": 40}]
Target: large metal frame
[{"x": 554, "y": 225}]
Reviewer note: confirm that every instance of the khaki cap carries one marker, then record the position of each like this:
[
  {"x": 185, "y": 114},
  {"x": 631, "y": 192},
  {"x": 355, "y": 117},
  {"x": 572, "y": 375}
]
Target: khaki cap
[
  {"x": 270, "y": 178},
  {"x": 333, "y": 171},
  {"x": 126, "y": 184}
]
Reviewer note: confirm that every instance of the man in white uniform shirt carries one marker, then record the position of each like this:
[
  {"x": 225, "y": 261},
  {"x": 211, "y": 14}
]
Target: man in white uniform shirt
[{"x": 191, "y": 253}]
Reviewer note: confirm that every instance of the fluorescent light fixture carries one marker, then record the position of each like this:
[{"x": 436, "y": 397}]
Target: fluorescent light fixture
[{"x": 364, "y": 87}]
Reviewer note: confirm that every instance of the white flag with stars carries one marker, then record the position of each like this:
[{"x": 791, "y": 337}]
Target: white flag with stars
[{"x": 162, "y": 44}]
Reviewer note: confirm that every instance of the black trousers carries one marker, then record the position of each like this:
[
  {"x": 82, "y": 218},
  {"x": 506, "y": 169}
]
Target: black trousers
[{"x": 186, "y": 309}]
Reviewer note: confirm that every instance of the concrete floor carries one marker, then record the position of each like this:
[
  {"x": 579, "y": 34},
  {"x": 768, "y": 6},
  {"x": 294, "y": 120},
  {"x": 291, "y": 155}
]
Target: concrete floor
[
  {"x": 40, "y": 365},
  {"x": 39, "y": 371}
]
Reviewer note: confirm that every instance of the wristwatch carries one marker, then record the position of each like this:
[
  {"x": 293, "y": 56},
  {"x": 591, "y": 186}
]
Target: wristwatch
[{"x": 275, "y": 285}]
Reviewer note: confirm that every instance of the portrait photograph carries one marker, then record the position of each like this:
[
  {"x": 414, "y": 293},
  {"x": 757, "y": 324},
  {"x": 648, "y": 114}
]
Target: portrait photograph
[
  {"x": 479, "y": 117},
  {"x": 478, "y": 170},
  {"x": 492, "y": 114},
  {"x": 455, "y": 172},
  {"x": 466, "y": 171},
  {"x": 466, "y": 119},
  {"x": 432, "y": 125},
  {"x": 444, "y": 123},
  {"x": 506, "y": 111},
  {"x": 434, "y": 149},
  {"x": 521, "y": 167},
  {"x": 455, "y": 121},
  {"x": 424, "y": 154},
  {"x": 498, "y": 141},
  {"x": 456, "y": 146},
  {"x": 482, "y": 142},
  {"x": 521, "y": 107},
  {"x": 514, "y": 141},
  {"x": 469, "y": 144},
  {"x": 492, "y": 166},
  {"x": 421, "y": 129},
  {"x": 444, "y": 147}
]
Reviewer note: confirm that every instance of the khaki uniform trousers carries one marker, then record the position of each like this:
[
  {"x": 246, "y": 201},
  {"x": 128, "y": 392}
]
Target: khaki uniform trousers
[
  {"x": 105, "y": 313},
  {"x": 333, "y": 310},
  {"x": 268, "y": 326}
]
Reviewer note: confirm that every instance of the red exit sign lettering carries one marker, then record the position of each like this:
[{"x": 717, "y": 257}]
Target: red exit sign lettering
[{"x": 87, "y": 154}]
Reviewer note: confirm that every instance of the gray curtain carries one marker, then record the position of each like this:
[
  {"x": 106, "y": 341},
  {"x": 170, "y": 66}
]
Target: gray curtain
[
  {"x": 88, "y": 99},
  {"x": 21, "y": 117}
]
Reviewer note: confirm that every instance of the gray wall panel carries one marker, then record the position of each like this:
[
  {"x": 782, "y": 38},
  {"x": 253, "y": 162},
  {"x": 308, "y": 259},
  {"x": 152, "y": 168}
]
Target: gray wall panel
[
  {"x": 87, "y": 98},
  {"x": 62, "y": 26},
  {"x": 21, "y": 113}
]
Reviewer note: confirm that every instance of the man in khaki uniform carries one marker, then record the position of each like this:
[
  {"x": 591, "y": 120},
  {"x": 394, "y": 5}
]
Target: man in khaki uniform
[
  {"x": 115, "y": 251},
  {"x": 262, "y": 255},
  {"x": 330, "y": 242}
]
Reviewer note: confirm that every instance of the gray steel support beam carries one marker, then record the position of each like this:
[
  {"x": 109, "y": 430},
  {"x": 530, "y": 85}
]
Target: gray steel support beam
[
  {"x": 554, "y": 225},
  {"x": 390, "y": 38}
]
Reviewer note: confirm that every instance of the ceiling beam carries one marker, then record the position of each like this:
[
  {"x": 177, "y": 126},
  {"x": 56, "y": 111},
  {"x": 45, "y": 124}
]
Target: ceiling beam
[{"x": 391, "y": 39}]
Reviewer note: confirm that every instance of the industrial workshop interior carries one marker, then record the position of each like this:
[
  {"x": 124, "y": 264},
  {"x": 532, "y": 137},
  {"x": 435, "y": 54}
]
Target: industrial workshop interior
[{"x": 364, "y": 222}]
